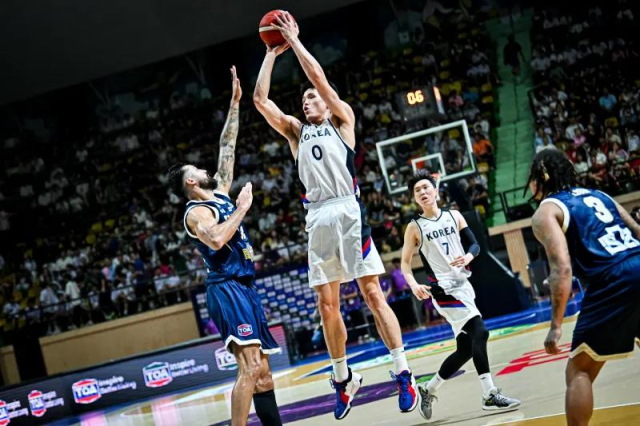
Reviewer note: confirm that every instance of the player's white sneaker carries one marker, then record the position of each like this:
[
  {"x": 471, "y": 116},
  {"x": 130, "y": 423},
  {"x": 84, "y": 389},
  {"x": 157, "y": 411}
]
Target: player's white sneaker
[
  {"x": 426, "y": 403},
  {"x": 497, "y": 401}
]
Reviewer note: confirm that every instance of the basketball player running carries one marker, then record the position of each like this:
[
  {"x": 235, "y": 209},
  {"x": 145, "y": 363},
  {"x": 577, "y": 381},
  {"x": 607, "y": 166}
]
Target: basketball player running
[
  {"x": 340, "y": 245},
  {"x": 214, "y": 224},
  {"x": 447, "y": 245},
  {"x": 587, "y": 234}
]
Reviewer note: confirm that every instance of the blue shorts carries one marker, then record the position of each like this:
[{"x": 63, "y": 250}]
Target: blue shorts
[
  {"x": 609, "y": 320},
  {"x": 236, "y": 310}
]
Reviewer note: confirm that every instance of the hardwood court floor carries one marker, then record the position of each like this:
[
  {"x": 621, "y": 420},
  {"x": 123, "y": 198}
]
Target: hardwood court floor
[{"x": 518, "y": 363}]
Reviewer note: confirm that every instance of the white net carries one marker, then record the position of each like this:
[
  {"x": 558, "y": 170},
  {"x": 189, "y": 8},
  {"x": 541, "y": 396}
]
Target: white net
[{"x": 444, "y": 149}]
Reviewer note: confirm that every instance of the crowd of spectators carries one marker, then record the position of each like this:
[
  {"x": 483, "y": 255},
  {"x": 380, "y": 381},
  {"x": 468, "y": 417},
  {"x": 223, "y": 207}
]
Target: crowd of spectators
[
  {"x": 95, "y": 233},
  {"x": 587, "y": 101}
]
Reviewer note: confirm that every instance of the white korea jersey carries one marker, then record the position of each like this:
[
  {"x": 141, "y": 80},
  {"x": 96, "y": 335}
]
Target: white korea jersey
[
  {"x": 325, "y": 163},
  {"x": 440, "y": 244}
]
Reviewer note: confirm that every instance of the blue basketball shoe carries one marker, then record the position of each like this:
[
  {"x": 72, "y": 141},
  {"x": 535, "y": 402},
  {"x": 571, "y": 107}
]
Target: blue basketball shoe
[
  {"x": 345, "y": 391},
  {"x": 408, "y": 395}
]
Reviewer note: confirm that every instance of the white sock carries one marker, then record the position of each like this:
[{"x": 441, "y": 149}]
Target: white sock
[
  {"x": 340, "y": 369},
  {"x": 487, "y": 383},
  {"x": 435, "y": 383},
  {"x": 399, "y": 360}
]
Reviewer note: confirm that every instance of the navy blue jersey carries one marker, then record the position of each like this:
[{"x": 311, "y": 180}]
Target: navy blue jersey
[
  {"x": 597, "y": 237},
  {"x": 234, "y": 261}
]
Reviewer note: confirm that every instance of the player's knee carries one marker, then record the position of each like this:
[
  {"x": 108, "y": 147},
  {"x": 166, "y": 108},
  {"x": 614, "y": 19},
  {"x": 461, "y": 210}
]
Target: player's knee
[
  {"x": 374, "y": 299},
  {"x": 482, "y": 335},
  {"x": 327, "y": 309},
  {"x": 265, "y": 382},
  {"x": 251, "y": 370}
]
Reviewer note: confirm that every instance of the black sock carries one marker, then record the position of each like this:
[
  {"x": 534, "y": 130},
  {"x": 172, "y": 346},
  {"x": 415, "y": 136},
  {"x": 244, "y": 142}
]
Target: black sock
[{"x": 267, "y": 408}]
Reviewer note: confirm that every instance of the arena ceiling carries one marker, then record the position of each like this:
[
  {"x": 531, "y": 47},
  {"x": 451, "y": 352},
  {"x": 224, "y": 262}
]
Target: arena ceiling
[{"x": 46, "y": 45}]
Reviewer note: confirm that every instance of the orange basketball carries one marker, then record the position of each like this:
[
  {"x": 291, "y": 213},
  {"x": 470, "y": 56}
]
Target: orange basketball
[{"x": 270, "y": 35}]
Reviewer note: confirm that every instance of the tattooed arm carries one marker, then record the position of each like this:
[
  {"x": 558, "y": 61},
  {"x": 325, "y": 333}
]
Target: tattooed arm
[
  {"x": 227, "y": 156},
  {"x": 546, "y": 223}
]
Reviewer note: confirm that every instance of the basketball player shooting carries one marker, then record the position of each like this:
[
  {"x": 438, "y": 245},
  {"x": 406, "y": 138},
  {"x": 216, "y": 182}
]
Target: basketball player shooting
[
  {"x": 214, "y": 224},
  {"x": 587, "y": 234},
  {"x": 446, "y": 246},
  {"x": 340, "y": 245}
]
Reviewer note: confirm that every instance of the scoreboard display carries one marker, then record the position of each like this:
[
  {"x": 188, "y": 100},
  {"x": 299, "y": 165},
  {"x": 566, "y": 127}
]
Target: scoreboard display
[{"x": 420, "y": 102}]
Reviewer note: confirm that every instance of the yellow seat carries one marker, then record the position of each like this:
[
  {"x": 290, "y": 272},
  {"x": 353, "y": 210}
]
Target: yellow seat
[
  {"x": 377, "y": 82},
  {"x": 454, "y": 133},
  {"x": 463, "y": 36},
  {"x": 487, "y": 100},
  {"x": 480, "y": 209},
  {"x": 445, "y": 89},
  {"x": 17, "y": 296},
  {"x": 408, "y": 51},
  {"x": 475, "y": 31},
  {"x": 110, "y": 223},
  {"x": 611, "y": 122},
  {"x": 96, "y": 228},
  {"x": 91, "y": 239},
  {"x": 445, "y": 64},
  {"x": 418, "y": 70},
  {"x": 363, "y": 96},
  {"x": 34, "y": 292},
  {"x": 444, "y": 75},
  {"x": 457, "y": 86},
  {"x": 417, "y": 59},
  {"x": 364, "y": 85},
  {"x": 487, "y": 87},
  {"x": 483, "y": 167},
  {"x": 182, "y": 146}
]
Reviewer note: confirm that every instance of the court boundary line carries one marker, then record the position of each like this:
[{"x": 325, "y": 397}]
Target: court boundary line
[{"x": 564, "y": 413}]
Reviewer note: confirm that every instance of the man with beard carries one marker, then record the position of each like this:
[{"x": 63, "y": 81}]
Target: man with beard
[{"x": 214, "y": 224}]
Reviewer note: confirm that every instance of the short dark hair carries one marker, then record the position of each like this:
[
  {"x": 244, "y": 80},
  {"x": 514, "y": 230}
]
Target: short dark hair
[
  {"x": 552, "y": 171},
  {"x": 421, "y": 175},
  {"x": 306, "y": 86},
  {"x": 176, "y": 178}
]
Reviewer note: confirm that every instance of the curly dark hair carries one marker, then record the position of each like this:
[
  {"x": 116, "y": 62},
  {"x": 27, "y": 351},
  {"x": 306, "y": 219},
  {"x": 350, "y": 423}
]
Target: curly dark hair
[
  {"x": 176, "y": 178},
  {"x": 552, "y": 171},
  {"x": 420, "y": 175}
]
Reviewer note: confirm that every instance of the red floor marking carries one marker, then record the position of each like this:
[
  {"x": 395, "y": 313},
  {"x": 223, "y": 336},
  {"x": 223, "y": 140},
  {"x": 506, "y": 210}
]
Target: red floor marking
[{"x": 535, "y": 358}]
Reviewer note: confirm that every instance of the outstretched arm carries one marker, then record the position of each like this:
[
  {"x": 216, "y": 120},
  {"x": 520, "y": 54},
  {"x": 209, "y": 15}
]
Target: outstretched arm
[
  {"x": 287, "y": 125},
  {"x": 227, "y": 155},
  {"x": 411, "y": 241},
  {"x": 547, "y": 228},
  {"x": 312, "y": 68}
]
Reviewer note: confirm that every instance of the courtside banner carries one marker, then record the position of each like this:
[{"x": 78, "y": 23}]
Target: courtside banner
[{"x": 203, "y": 362}]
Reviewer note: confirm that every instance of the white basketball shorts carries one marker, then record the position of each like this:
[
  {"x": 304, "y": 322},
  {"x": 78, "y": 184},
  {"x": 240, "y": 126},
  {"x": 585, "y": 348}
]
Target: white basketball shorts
[
  {"x": 340, "y": 244},
  {"x": 455, "y": 301}
]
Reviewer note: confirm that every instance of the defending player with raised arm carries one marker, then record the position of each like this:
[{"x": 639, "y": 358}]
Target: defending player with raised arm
[
  {"x": 446, "y": 246},
  {"x": 214, "y": 225},
  {"x": 587, "y": 234},
  {"x": 340, "y": 245}
]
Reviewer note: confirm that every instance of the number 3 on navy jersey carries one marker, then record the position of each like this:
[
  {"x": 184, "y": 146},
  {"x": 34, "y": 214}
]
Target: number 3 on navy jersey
[{"x": 617, "y": 239}]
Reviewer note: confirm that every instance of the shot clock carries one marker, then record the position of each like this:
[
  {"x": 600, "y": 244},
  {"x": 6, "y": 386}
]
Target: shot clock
[{"x": 420, "y": 102}]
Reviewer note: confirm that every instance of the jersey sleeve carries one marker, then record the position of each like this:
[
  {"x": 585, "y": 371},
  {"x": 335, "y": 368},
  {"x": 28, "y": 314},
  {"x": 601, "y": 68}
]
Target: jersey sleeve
[
  {"x": 566, "y": 220},
  {"x": 214, "y": 210}
]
